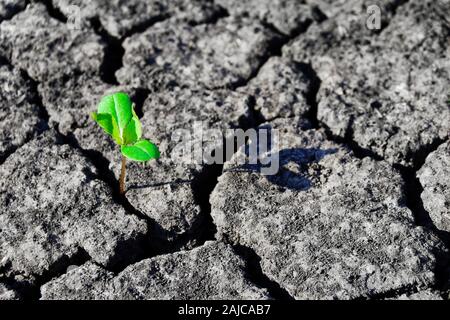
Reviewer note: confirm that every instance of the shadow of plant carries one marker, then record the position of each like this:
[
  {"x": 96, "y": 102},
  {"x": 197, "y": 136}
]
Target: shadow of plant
[{"x": 157, "y": 184}]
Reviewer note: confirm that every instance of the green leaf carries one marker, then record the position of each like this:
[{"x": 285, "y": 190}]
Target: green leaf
[
  {"x": 106, "y": 122},
  {"x": 117, "y": 117},
  {"x": 133, "y": 131},
  {"x": 143, "y": 150},
  {"x": 119, "y": 107}
]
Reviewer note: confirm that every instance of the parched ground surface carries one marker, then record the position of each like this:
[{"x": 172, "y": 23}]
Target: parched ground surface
[{"x": 360, "y": 208}]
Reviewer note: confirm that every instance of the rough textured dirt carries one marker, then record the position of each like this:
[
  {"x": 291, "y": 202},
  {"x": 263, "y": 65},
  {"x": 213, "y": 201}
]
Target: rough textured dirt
[
  {"x": 211, "y": 271},
  {"x": 360, "y": 208},
  {"x": 436, "y": 193}
]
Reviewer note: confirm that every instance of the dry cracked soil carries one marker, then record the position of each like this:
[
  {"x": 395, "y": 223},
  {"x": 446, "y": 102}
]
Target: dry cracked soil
[{"x": 359, "y": 208}]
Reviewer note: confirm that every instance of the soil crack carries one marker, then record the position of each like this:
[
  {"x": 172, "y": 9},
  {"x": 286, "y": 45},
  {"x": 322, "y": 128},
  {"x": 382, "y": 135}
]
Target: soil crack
[
  {"x": 255, "y": 274},
  {"x": 114, "y": 50}
]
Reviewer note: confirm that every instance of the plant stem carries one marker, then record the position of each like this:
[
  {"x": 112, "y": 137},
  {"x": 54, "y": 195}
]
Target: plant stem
[{"x": 122, "y": 176}]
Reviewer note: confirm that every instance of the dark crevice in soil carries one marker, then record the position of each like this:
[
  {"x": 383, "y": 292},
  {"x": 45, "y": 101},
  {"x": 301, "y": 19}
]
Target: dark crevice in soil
[
  {"x": 143, "y": 26},
  {"x": 14, "y": 10},
  {"x": 412, "y": 199},
  {"x": 60, "y": 268},
  {"x": 139, "y": 96},
  {"x": 358, "y": 151},
  {"x": 160, "y": 241},
  {"x": 392, "y": 294},
  {"x": 36, "y": 99},
  {"x": 113, "y": 53},
  {"x": 255, "y": 274},
  {"x": 205, "y": 183},
  {"x": 256, "y": 117},
  {"x": 413, "y": 188},
  {"x": 311, "y": 98},
  {"x": 394, "y": 6},
  {"x": 218, "y": 15},
  {"x": 347, "y": 141},
  {"x": 396, "y": 293},
  {"x": 275, "y": 49},
  {"x": 53, "y": 11},
  {"x": 412, "y": 192},
  {"x": 114, "y": 50},
  {"x": 317, "y": 14},
  {"x": 202, "y": 186},
  {"x": 29, "y": 290},
  {"x": 4, "y": 61},
  {"x": 420, "y": 156},
  {"x": 6, "y": 155},
  {"x": 442, "y": 270},
  {"x": 277, "y": 44}
]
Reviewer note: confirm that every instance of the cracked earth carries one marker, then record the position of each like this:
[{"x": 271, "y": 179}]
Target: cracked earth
[{"x": 360, "y": 208}]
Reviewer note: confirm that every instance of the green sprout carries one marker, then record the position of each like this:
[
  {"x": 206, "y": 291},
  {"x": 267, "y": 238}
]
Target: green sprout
[{"x": 116, "y": 116}]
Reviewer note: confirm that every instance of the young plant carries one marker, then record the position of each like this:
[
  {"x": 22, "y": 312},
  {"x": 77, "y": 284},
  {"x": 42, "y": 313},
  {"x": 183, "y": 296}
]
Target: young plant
[{"x": 115, "y": 114}]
